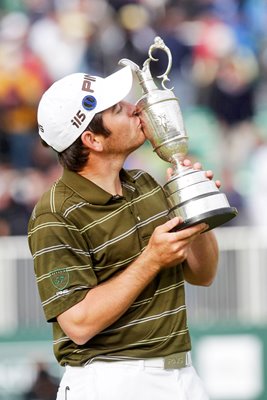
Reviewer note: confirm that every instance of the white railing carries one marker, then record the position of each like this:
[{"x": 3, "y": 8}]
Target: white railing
[
  {"x": 238, "y": 294},
  {"x": 19, "y": 299}
]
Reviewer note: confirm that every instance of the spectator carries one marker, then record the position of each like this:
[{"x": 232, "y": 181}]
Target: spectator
[{"x": 23, "y": 79}]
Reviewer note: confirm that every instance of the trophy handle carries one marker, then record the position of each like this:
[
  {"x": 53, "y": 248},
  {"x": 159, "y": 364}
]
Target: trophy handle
[
  {"x": 159, "y": 44},
  {"x": 144, "y": 74}
]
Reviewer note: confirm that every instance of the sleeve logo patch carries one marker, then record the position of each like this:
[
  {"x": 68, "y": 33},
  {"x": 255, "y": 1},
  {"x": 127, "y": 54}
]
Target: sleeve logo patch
[{"x": 60, "y": 278}]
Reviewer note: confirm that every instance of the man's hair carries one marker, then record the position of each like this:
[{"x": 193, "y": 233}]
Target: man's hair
[{"x": 75, "y": 157}]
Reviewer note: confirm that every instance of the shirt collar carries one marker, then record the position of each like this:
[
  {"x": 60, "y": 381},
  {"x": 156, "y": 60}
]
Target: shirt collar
[{"x": 88, "y": 190}]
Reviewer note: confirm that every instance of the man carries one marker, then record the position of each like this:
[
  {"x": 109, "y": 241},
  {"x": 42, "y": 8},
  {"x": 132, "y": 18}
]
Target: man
[{"x": 110, "y": 266}]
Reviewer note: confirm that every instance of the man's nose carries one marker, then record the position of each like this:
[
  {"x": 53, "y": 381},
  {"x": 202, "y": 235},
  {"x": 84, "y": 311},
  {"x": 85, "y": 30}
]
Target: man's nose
[
  {"x": 132, "y": 109},
  {"x": 135, "y": 111}
]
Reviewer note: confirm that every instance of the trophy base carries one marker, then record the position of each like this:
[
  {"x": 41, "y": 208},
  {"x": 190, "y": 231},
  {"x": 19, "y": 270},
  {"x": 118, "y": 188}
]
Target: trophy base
[
  {"x": 212, "y": 218},
  {"x": 195, "y": 198}
]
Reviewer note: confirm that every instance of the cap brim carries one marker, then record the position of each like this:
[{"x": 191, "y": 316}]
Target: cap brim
[{"x": 115, "y": 88}]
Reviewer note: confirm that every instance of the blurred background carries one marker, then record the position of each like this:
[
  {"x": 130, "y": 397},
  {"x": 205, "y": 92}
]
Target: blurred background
[{"x": 219, "y": 74}]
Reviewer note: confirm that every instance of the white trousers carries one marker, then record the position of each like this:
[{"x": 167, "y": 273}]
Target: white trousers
[{"x": 130, "y": 380}]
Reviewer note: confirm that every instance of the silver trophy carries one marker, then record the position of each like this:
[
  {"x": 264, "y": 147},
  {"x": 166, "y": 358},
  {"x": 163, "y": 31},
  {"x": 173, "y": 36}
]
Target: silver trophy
[{"x": 189, "y": 193}]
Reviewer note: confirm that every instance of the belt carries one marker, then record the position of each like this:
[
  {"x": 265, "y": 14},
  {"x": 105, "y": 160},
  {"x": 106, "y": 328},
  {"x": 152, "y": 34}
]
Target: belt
[{"x": 172, "y": 361}]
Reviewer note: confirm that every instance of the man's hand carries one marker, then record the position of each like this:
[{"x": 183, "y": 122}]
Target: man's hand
[
  {"x": 166, "y": 248},
  {"x": 197, "y": 166}
]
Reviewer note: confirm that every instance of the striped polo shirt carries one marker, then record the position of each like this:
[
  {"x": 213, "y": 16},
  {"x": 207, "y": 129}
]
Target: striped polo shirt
[{"x": 80, "y": 236}]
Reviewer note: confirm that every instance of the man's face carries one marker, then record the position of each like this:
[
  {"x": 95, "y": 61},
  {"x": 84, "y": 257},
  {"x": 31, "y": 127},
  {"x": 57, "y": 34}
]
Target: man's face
[{"x": 125, "y": 127}]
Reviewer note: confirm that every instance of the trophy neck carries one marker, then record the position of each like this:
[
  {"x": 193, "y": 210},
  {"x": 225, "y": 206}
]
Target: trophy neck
[{"x": 146, "y": 81}]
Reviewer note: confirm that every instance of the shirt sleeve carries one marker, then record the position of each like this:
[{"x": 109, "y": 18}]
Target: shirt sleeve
[{"x": 62, "y": 263}]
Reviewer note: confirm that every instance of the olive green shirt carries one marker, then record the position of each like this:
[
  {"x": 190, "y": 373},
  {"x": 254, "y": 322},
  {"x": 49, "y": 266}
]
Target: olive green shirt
[{"x": 80, "y": 236}]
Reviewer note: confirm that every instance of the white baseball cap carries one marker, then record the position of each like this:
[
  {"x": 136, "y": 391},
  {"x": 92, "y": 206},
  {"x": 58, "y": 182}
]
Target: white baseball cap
[{"x": 68, "y": 106}]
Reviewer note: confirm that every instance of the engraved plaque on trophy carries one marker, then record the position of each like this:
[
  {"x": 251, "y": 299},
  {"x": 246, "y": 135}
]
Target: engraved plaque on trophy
[{"x": 189, "y": 193}]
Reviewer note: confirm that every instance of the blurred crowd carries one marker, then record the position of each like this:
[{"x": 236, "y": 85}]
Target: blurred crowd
[{"x": 219, "y": 74}]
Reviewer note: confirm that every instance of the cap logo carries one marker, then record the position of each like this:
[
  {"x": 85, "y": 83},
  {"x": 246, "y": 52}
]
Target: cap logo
[
  {"x": 88, "y": 79},
  {"x": 78, "y": 119},
  {"x": 89, "y": 102}
]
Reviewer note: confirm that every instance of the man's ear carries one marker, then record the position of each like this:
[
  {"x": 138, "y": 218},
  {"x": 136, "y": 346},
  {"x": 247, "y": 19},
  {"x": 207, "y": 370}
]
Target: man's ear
[{"x": 92, "y": 141}]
